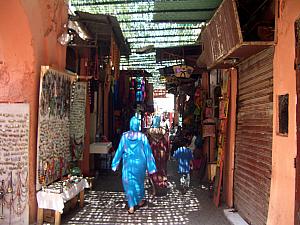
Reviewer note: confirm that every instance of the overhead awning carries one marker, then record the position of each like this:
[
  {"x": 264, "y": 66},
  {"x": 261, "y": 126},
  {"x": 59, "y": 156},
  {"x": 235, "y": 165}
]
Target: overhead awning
[
  {"x": 184, "y": 11},
  {"x": 151, "y": 24},
  {"x": 230, "y": 37},
  {"x": 101, "y": 27},
  {"x": 188, "y": 53}
]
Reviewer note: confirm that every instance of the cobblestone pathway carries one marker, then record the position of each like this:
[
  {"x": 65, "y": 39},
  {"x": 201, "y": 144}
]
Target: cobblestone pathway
[{"x": 105, "y": 204}]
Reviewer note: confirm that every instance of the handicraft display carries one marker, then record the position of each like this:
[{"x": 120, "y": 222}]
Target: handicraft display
[
  {"x": 137, "y": 90},
  {"x": 140, "y": 90},
  {"x": 131, "y": 90},
  {"x": 209, "y": 130},
  {"x": 183, "y": 71},
  {"x": 62, "y": 185},
  {"x": 209, "y": 112},
  {"x": 222, "y": 134},
  {"x": 223, "y": 108},
  {"x": 14, "y": 144},
  {"x": 53, "y": 150},
  {"x": 77, "y": 119}
]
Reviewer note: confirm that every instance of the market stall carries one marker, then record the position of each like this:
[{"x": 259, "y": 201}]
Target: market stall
[
  {"x": 61, "y": 135},
  {"x": 14, "y": 160},
  {"x": 57, "y": 194}
]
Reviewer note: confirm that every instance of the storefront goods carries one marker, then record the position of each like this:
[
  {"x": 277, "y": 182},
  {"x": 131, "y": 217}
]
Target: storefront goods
[
  {"x": 77, "y": 119},
  {"x": 222, "y": 135},
  {"x": 209, "y": 130},
  {"x": 55, "y": 200},
  {"x": 14, "y": 146},
  {"x": 53, "y": 151}
]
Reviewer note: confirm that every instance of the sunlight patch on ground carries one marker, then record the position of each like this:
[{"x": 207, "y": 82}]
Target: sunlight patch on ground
[{"x": 104, "y": 207}]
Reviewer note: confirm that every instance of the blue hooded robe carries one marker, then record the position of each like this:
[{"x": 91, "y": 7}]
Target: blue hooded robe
[
  {"x": 137, "y": 157},
  {"x": 184, "y": 155}
]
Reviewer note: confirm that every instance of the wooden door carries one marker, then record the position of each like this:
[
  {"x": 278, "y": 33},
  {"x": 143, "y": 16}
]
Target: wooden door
[{"x": 297, "y": 162}]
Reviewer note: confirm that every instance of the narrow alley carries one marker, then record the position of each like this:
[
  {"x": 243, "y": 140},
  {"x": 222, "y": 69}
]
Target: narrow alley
[
  {"x": 106, "y": 204},
  {"x": 170, "y": 89}
]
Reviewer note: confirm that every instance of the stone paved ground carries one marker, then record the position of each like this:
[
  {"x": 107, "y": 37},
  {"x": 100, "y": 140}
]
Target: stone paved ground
[{"x": 105, "y": 204}]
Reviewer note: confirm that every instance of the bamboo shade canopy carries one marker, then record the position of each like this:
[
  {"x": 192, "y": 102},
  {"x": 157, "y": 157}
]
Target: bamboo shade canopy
[{"x": 151, "y": 24}]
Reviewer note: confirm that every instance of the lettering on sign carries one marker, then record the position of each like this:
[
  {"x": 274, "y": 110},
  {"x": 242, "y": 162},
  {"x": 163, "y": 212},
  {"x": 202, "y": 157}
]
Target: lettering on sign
[{"x": 14, "y": 145}]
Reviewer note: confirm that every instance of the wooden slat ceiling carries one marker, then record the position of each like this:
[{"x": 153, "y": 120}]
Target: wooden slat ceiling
[{"x": 155, "y": 23}]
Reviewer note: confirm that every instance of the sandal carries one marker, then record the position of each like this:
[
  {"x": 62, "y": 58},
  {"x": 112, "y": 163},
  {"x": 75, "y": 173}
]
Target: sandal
[{"x": 130, "y": 210}]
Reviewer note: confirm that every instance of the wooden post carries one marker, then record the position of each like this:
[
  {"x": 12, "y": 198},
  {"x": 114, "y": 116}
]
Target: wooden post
[
  {"x": 81, "y": 198},
  {"x": 106, "y": 101},
  {"x": 212, "y": 149},
  {"x": 40, "y": 216},
  {"x": 85, "y": 162},
  {"x": 230, "y": 148},
  {"x": 57, "y": 218}
]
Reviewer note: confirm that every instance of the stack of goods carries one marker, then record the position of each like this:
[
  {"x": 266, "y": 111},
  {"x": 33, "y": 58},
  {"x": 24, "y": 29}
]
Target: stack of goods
[{"x": 63, "y": 185}]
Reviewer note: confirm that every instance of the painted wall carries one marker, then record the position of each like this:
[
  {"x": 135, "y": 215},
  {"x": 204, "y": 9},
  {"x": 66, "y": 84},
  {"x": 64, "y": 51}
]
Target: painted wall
[
  {"x": 282, "y": 195},
  {"x": 29, "y": 31}
]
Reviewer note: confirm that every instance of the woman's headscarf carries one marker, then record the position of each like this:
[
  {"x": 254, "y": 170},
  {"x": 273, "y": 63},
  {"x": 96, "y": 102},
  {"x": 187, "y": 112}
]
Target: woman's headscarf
[{"x": 134, "y": 124}]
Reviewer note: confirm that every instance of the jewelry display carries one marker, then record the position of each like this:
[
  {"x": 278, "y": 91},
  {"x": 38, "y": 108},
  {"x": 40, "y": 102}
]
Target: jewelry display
[
  {"x": 14, "y": 142},
  {"x": 59, "y": 186},
  {"x": 77, "y": 119},
  {"x": 53, "y": 153},
  {"x": 2, "y": 193}
]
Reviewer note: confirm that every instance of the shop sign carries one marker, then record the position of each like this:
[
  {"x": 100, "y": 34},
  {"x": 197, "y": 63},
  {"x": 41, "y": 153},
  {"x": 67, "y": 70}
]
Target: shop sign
[{"x": 183, "y": 71}]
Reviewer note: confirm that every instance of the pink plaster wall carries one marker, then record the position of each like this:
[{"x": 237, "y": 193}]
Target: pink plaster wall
[
  {"x": 282, "y": 195},
  {"x": 29, "y": 31}
]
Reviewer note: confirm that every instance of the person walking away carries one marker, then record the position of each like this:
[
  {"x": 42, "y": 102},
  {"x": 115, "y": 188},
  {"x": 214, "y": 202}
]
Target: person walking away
[
  {"x": 184, "y": 157},
  {"x": 159, "y": 146},
  {"x": 137, "y": 157}
]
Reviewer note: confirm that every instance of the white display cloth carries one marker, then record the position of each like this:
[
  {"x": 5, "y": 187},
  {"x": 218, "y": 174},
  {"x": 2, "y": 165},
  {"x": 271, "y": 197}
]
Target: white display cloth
[{"x": 54, "y": 201}]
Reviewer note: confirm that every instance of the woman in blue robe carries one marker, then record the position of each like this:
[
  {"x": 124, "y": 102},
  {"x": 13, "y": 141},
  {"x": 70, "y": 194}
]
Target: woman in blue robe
[{"x": 137, "y": 157}]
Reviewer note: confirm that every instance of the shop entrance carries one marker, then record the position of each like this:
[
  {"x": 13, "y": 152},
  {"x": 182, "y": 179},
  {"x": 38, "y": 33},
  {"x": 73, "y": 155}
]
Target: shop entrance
[
  {"x": 253, "y": 146},
  {"x": 297, "y": 163}
]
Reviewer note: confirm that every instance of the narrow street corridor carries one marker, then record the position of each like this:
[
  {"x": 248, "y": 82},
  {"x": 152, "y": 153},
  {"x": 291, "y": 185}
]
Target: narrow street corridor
[
  {"x": 105, "y": 204},
  {"x": 195, "y": 94}
]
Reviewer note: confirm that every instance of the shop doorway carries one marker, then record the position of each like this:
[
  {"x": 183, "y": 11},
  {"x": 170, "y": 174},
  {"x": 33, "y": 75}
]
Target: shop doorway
[
  {"x": 297, "y": 67},
  {"x": 253, "y": 141}
]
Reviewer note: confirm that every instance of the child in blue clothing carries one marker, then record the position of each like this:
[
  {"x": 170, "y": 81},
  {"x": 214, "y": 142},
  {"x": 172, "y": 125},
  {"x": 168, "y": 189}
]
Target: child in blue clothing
[{"x": 184, "y": 156}]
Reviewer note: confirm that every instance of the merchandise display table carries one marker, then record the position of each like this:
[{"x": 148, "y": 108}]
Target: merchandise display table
[
  {"x": 48, "y": 199},
  {"x": 100, "y": 147},
  {"x": 102, "y": 151}
]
